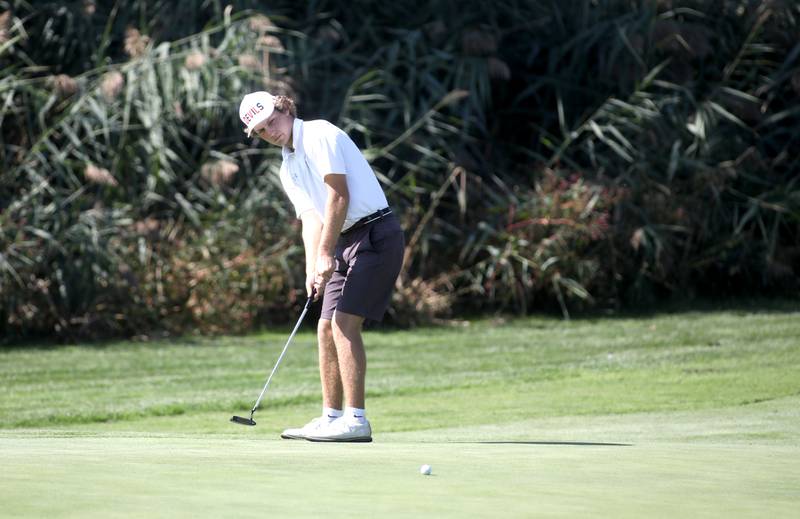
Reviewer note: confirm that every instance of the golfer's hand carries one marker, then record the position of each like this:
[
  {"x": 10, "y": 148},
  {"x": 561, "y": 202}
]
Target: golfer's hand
[
  {"x": 310, "y": 277},
  {"x": 325, "y": 265}
]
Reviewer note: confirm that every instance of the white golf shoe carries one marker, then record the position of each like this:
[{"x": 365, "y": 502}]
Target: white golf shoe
[
  {"x": 311, "y": 427},
  {"x": 342, "y": 430}
]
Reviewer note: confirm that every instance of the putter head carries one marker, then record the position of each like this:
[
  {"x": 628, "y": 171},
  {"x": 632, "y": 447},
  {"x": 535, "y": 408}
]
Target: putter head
[{"x": 243, "y": 421}]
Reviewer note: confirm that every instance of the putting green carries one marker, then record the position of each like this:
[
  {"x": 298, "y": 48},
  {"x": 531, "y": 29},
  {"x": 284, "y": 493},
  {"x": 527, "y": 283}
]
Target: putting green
[
  {"x": 731, "y": 462},
  {"x": 693, "y": 414}
]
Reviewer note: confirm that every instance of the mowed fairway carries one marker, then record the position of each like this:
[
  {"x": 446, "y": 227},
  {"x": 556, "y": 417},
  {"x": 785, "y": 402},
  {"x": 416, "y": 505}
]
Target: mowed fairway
[{"x": 693, "y": 414}]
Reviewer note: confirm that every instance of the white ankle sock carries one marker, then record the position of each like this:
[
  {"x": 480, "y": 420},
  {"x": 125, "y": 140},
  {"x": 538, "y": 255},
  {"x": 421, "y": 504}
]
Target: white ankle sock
[
  {"x": 355, "y": 414},
  {"x": 331, "y": 414}
]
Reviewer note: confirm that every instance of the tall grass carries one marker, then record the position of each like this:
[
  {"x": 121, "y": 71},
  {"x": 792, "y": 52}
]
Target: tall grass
[{"x": 590, "y": 154}]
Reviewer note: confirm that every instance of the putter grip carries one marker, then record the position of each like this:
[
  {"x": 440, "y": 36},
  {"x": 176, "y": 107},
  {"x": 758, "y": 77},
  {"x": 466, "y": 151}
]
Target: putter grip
[{"x": 311, "y": 297}]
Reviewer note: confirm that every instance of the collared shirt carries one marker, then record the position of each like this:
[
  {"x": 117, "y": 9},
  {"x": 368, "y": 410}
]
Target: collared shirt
[{"x": 321, "y": 149}]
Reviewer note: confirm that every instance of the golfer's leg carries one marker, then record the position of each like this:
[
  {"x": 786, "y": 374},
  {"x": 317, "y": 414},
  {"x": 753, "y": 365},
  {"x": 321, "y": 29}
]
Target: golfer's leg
[
  {"x": 351, "y": 355},
  {"x": 329, "y": 366}
]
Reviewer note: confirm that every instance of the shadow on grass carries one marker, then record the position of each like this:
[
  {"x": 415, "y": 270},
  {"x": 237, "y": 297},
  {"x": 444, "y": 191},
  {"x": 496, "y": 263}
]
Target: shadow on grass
[
  {"x": 551, "y": 316},
  {"x": 576, "y": 444},
  {"x": 255, "y": 338},
  {"x": 738, "y": 305}
]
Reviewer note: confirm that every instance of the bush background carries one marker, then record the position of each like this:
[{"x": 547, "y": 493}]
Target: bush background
[{"x": 595, "y": 155}]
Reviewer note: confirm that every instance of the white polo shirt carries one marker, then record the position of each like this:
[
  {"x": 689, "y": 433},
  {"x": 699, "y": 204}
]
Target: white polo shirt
[{"x": 320, "y": 148}]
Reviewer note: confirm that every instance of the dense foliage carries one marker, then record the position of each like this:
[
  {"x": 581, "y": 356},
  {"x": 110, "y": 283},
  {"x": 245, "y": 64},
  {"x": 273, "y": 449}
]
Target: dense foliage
[{"x": 597, "y": 154}]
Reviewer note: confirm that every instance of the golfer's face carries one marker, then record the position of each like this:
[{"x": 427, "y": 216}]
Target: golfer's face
[{"x": 275, "y": 129}]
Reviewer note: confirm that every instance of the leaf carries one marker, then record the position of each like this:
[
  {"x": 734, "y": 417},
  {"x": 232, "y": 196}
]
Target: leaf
[
  {"x": 727, "y": 115},
  {"x": 574, "y": 288},
  {"x": 188, "y": 210},
  {"x": 674, "y": 158}
]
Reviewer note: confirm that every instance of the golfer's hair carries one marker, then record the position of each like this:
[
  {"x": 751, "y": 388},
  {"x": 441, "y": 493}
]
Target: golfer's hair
[{"x": 285, "y": 105}]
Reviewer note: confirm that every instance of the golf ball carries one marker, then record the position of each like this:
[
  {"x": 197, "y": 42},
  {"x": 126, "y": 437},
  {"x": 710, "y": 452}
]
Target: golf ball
[{"x": 425, "y": 469}]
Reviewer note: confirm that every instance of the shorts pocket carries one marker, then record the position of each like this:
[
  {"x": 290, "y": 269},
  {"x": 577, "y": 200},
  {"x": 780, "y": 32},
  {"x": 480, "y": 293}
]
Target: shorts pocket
[
  {"x": 360, "y": 243},
  {"x": 383, "y": 233}
]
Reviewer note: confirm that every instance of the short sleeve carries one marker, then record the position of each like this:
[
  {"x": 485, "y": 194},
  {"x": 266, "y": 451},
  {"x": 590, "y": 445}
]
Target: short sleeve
[{"x": 326, "y": 154}]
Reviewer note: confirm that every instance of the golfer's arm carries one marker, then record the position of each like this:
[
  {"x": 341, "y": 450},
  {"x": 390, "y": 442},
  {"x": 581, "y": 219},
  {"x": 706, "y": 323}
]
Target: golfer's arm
[
  {"x": 335, "y": 212},
  {"x": 312, "y": 230}
]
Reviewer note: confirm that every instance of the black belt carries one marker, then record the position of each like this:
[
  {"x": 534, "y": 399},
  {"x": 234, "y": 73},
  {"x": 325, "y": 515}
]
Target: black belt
[{"x": 374, "y": 217}]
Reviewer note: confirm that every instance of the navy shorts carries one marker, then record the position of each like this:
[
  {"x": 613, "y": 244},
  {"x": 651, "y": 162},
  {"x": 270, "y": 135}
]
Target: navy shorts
[{"x": 368, "y": 261}]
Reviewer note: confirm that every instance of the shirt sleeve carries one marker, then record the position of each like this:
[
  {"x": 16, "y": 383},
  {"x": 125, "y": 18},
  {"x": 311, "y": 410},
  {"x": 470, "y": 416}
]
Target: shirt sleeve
[
  {"x": 326, "y": 154},
  {"x": 300, "y": 200}
]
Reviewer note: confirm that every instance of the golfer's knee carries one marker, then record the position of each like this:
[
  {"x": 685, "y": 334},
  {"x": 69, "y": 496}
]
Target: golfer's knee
[
  {"x": 325, "y": 330},
  {"x": 346, "y": 326}
]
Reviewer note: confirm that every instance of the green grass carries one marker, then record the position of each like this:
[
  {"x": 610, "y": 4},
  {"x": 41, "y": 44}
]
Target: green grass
[{"x": 680, "y": 414}]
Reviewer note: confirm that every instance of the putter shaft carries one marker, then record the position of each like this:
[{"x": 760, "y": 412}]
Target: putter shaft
[{"x": 286, "y": 347}]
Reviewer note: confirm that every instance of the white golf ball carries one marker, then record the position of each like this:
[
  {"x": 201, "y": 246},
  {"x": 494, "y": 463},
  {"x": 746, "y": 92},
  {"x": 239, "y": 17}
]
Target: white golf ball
[{"x": 425, "y": 469}]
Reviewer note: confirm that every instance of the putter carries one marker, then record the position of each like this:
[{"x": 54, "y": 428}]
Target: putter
[{"x": 249, "y": 421}]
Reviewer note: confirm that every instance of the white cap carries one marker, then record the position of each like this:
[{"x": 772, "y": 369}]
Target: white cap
[{"x": 255, "y": 108}]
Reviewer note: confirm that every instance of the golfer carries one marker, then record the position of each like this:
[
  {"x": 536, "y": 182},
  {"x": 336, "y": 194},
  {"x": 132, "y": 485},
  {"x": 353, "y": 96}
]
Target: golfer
[{"x": 353, "y": 250}]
